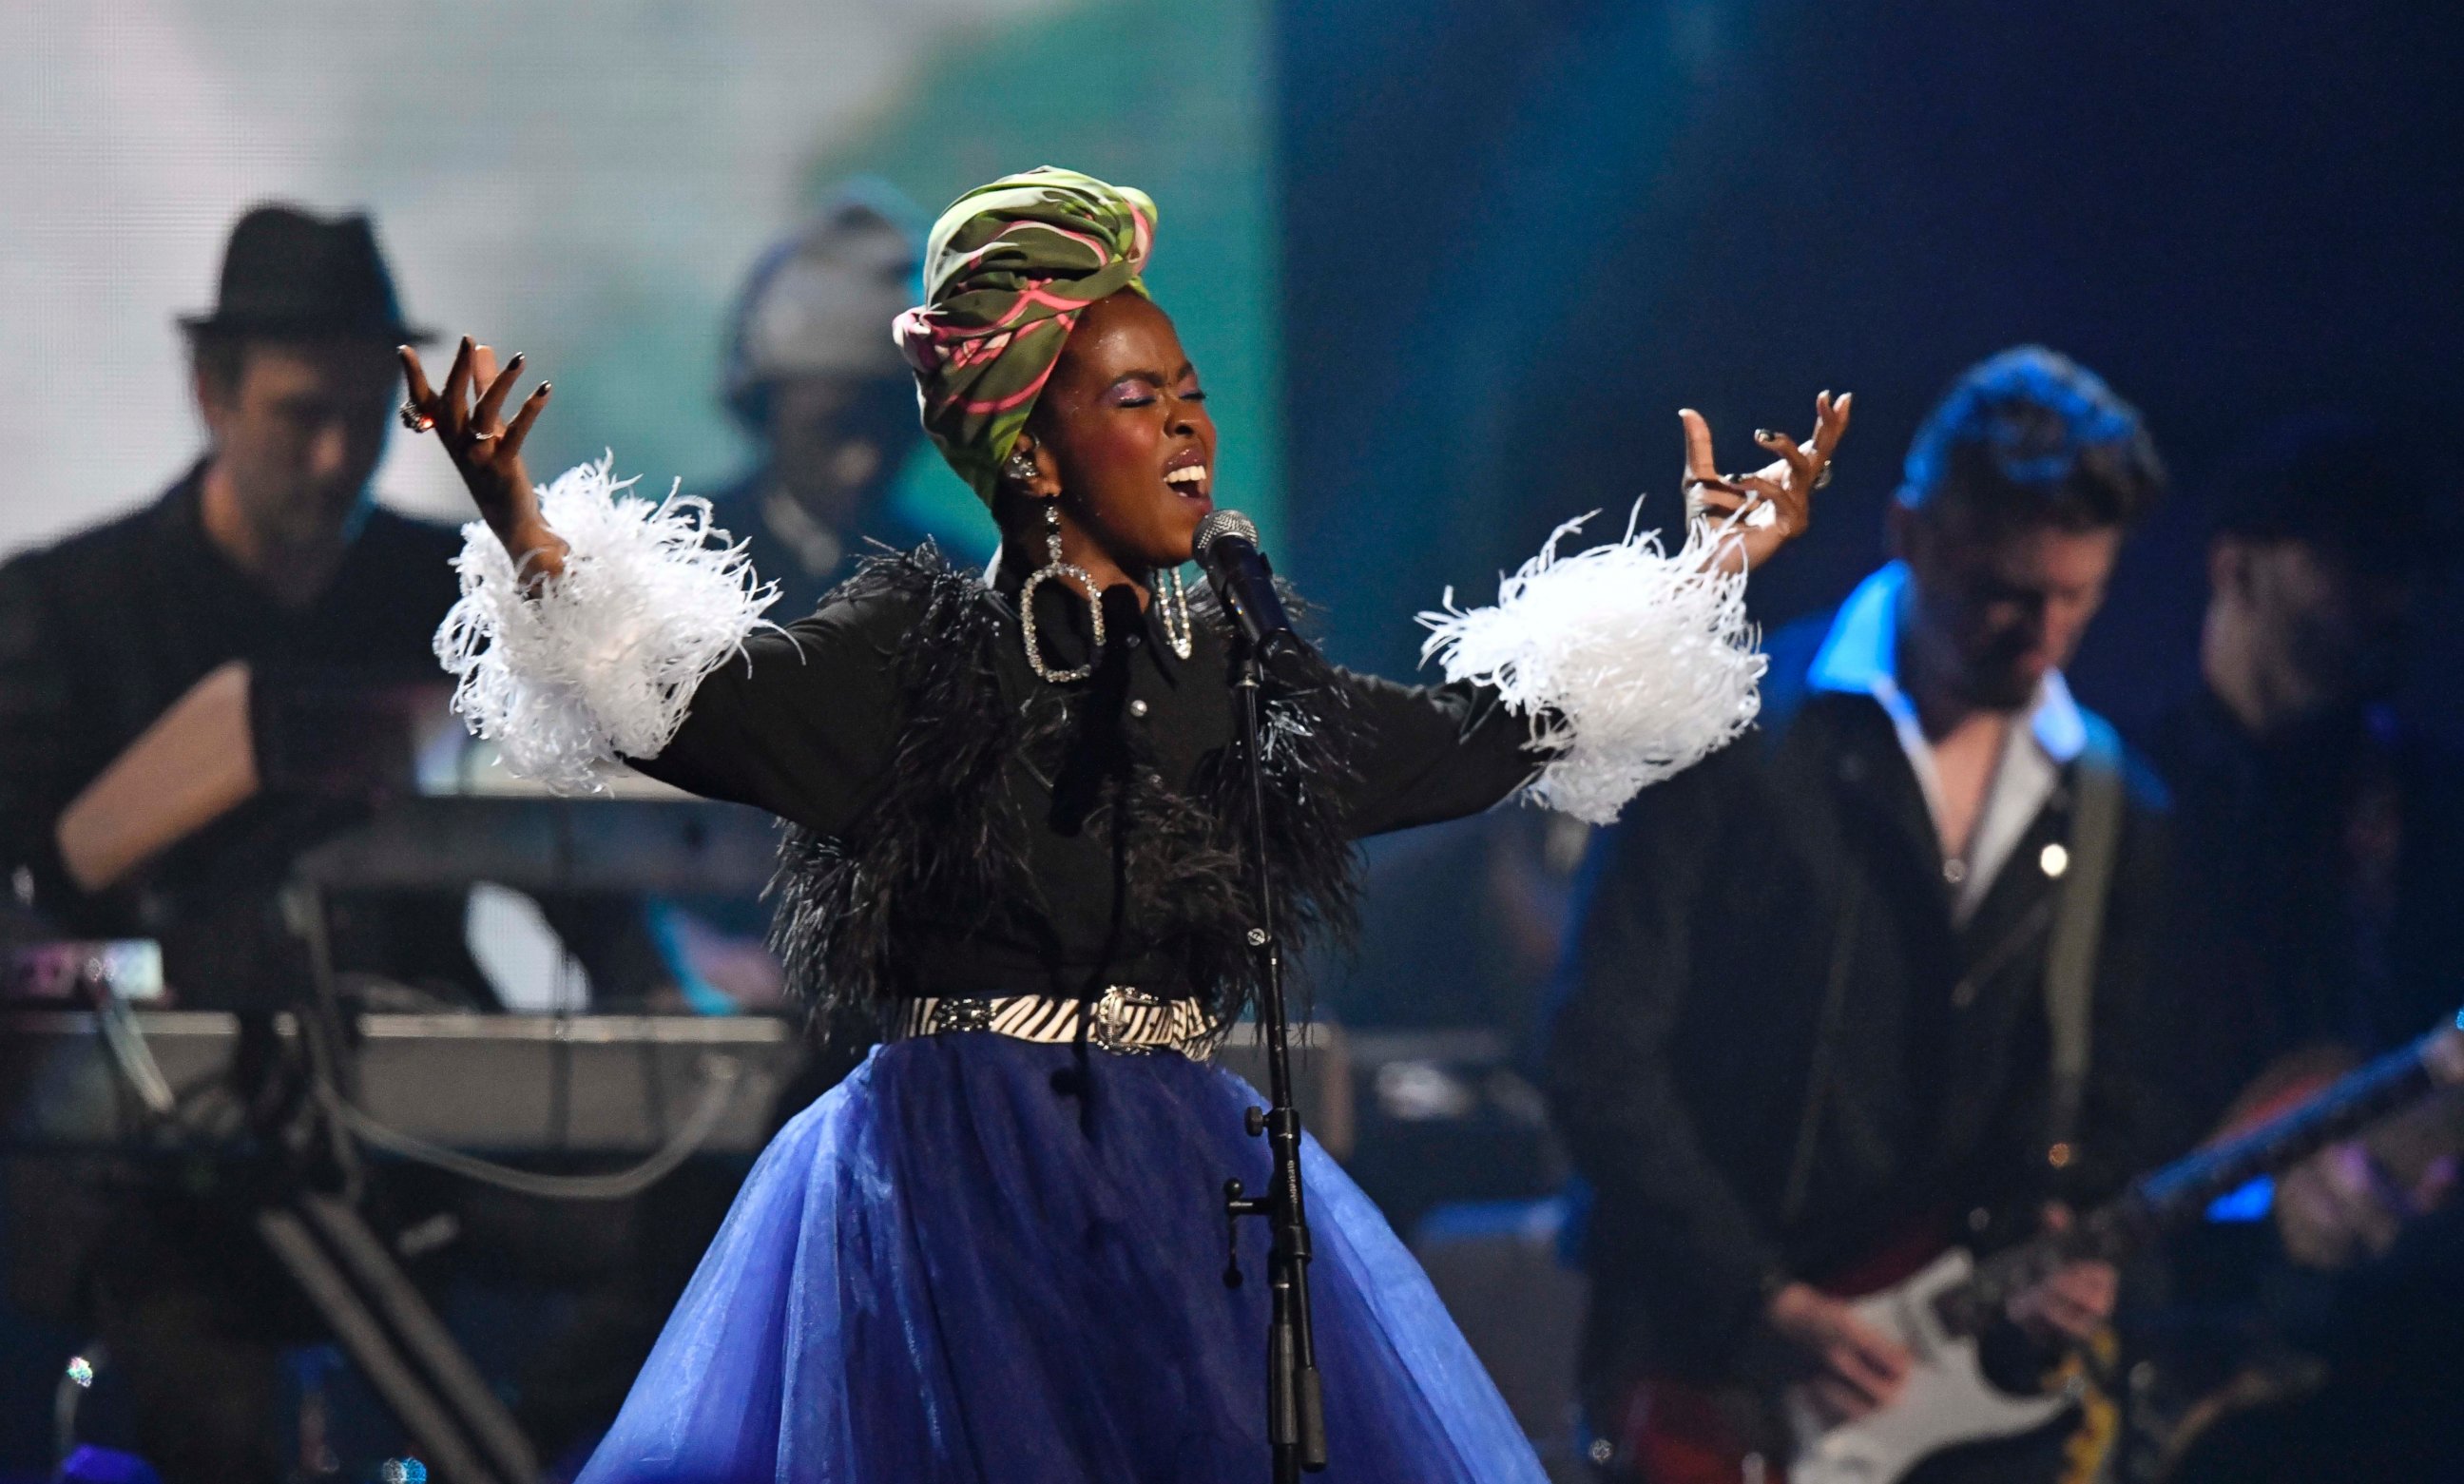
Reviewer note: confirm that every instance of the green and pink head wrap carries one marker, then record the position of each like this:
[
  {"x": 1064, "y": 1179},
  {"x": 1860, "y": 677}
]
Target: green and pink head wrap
[{"x": 1008, "y": 272}]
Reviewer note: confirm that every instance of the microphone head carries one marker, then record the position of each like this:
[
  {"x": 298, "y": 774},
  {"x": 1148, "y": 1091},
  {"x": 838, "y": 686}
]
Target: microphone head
[{"x": 1220, "y": 523}]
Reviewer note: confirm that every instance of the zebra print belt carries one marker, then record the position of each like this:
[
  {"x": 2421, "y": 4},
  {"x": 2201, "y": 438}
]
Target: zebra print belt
[{"x": 1121, "y": 1019}]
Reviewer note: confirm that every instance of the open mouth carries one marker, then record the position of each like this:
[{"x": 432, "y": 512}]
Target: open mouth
[{"x": 1188, "y": 475}]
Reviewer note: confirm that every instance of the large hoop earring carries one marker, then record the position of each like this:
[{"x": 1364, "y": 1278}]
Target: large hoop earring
[
  {"x": 1170, "y": 609},
  {"x": 1054, "y": 568}
]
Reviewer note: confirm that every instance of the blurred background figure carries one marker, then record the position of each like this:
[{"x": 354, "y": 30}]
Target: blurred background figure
[
  {"x": 821, "y": 392},
  {"x": 192, "y": 694},
  {"x": 190, "y": 697},
  {"x": 2318, "y": 833},
  {"x": 2320, "y": 859},
  {"x": 161, "y": 645},
  {"x": 828, "y": 408},
  {"x": 268, "y": 556}
]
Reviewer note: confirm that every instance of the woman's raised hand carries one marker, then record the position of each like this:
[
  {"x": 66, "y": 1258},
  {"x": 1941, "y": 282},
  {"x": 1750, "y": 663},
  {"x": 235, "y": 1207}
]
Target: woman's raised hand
[
  {"x": 1758, "y": 513},
  {"x": 467, "y": 417}
]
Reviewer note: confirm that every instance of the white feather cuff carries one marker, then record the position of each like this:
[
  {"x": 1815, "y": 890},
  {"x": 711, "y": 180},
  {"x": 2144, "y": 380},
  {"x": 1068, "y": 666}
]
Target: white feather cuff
[
  {"x": 1631, "y": 664},
  {"x": 603, "y": 661}
]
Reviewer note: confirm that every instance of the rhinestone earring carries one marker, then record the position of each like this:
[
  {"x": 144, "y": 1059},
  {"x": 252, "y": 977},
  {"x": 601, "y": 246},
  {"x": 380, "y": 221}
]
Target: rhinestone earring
[{"x": 1054, "y": 568}]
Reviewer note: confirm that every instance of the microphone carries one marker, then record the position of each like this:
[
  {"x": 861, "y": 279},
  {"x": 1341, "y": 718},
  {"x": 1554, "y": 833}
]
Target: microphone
[{"x": 1227, "y": 549}]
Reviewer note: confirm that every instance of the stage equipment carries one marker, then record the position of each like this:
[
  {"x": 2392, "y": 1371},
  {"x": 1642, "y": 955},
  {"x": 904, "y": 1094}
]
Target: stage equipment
[{"x": 1295, "y": 1403}]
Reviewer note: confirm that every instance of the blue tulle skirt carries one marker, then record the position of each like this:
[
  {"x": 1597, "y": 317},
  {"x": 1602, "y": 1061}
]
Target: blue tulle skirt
[{"x": 984, "y": 1261}]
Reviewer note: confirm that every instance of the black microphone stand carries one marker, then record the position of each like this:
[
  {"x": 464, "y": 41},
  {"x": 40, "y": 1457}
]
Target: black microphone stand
[{"x": 1295, "y": 1403}]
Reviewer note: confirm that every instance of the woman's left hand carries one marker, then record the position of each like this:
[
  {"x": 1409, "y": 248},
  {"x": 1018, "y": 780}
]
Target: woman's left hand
[{"x": 1754, "y": 515}]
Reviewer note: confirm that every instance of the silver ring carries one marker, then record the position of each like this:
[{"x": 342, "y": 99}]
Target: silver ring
[
  {"x": 414, "y": 418},
  {"x": 1822, "y": 480},
  {"x": 482, "y": 437}
]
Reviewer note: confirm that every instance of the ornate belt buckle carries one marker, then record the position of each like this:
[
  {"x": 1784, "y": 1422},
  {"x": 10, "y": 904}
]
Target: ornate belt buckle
[
  {"x": 971, "y": 1012},
  {"x": 1114, "y": 1016}
]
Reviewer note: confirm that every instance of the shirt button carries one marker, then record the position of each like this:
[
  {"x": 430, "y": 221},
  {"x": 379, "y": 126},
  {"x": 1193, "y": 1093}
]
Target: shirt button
[
  {"x": 1954, "y": 871},
  {"x": 2054, "y": 859},
  {"x": 1137, "y": 708}
]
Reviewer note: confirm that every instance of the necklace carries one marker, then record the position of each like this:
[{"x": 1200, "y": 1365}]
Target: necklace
[{"x": 1168, "y": 609}]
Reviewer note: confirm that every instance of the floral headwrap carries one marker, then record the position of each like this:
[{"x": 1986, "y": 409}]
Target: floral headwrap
[{"x": 1007, "y": 270}]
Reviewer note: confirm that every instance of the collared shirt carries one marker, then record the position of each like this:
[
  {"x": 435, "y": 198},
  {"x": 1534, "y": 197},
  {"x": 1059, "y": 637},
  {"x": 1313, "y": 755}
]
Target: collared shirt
[{"x": 1860, "y": 655}]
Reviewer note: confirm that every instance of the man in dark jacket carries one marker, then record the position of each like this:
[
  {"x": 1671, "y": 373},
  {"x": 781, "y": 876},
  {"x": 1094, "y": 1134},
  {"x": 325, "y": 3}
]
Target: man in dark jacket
[
  {"x": 2319, "y": 842},
  {"x": 1806, "y": 1026}
]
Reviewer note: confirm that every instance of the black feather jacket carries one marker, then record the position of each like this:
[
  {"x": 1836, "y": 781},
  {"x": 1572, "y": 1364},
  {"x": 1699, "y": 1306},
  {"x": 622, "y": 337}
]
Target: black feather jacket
[{"x": 957, "y": 826}]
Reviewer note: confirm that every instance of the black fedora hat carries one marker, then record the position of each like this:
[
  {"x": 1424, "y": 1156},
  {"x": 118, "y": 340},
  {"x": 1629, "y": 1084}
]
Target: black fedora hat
[{"x": 289, "y": 272}]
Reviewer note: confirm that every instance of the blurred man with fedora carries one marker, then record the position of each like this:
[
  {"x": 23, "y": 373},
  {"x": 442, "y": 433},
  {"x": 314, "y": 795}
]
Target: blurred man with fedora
[
  {"x": 265, "y": 560},
  {"x": 267, "y": 553},
  {"x": 266, "y": 573}
]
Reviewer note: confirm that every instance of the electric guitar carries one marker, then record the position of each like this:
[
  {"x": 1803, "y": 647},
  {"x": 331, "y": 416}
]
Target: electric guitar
[{"x": 1678, "y": 1433}]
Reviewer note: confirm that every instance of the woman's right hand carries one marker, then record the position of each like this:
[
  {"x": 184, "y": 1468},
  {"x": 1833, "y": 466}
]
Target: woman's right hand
[{"x": 466, "y": 418}]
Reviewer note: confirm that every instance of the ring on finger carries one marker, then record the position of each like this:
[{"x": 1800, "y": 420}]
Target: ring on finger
[
  {"x": 1822, "y": 480},
  {"x": 413, "y": 417},
  {"x": 482, "y": 437}
]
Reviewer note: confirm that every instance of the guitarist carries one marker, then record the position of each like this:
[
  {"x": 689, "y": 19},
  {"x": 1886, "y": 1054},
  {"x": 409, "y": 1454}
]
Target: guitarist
[
  {"x": 2320, "y": 852},
  {"x": 1807, "y": 1042}
]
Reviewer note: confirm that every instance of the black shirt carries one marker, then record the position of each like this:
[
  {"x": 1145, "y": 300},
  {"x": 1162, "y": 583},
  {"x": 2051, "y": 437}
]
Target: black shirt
[
  {"x": 809, "y": 723},
  {"x": 2320, "y": 872},
  {"x": 101, "y": 632}
]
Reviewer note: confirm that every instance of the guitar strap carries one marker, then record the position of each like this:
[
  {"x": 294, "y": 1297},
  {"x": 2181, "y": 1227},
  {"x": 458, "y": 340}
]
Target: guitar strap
[{"x": 2078, "y": 921}]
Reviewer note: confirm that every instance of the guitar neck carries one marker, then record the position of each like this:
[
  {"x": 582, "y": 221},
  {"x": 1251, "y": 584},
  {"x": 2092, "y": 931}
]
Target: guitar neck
[{"x": 2184, "y": 1189}]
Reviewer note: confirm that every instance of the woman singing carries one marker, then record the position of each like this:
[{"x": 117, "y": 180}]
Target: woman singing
[{"x": 994, "y": 1254}]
